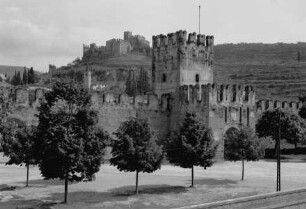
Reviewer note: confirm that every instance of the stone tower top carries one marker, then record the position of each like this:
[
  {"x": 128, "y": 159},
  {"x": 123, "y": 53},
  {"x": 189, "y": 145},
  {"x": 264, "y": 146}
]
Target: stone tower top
[{"x": 180, "y": 59}]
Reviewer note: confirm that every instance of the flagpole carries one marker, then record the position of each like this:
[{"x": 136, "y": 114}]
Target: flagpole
[{"x": 199, "y": 19}]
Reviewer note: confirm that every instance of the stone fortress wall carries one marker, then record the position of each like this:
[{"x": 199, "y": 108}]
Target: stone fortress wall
[
  {"x": 187, "y": 64},
  {"x": 220, "y": 106}
]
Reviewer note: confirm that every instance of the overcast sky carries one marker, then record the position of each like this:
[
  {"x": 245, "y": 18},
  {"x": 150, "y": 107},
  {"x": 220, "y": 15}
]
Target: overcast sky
[{"x": 38, "y": 32}]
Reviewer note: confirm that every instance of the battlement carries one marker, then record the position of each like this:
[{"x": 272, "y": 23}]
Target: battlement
[
  {"x": 218, "y": 94},
  {"x": 180, "y": 38},
  {"x": 264, "y": 105},
  {"x": 148, "y": 102},
  {"x": 115, "y": 40}
]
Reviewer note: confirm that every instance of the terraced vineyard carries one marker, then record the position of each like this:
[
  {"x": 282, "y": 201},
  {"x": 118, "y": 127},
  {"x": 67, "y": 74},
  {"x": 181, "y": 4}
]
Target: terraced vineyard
[{"x": 277, "y": 71}]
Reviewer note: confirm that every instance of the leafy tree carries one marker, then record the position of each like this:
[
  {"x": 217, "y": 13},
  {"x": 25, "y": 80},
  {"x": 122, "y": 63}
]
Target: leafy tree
[
  {"x": 135, "y": 148},
  {"x": 243, "y": 144},
  {"x": 192, "y": 146},
  {"x": 18, "y": 145},
  {"x": 279, "y": 123},
  {"x": 70, "y": 145},
  {"x": 5, "y": 109}
]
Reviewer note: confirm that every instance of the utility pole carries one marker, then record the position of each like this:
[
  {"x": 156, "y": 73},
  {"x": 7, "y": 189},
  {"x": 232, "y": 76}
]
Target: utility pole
[
  {"x": 278, "y": 180},
  {"x": 199, "y": 19}
]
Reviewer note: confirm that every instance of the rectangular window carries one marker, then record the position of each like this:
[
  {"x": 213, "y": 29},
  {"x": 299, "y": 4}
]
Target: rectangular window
[
  {"x": 240, "y": 115},
  {"x": 197, "y": 78},
  {"x": 164, "y": 79},
  {"x": 248, "y": 116}
]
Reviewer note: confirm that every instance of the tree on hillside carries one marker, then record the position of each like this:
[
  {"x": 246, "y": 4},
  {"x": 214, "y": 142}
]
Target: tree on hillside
[
  {"x": 135, "y": 148},
  {"x": 70, "y": 146},
  {"x": 31, "y": 76},
  {"x": 243, "y": 144},
  {"x": 279, "y": 123},
  {"x": 193, "y": 146},
  {"x": 76, "y": 61},
  {"x": 13, "y": 80},
  {"x": 18, "y": 79},
  {"x": 25, "y": 76},
  {"x": 19, "y": 146}
]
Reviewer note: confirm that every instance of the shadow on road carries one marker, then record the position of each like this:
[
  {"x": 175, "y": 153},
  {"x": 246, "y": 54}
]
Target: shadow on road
[
  {"x": 45, "y": 183},
  {"x": 33, "y": 204},
  {"x": 5, "y": 187}
]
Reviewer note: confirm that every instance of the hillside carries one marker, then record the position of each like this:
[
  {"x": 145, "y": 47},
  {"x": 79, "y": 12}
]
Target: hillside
[
  {"x": 117, "y": 74},
  {"x": 278, "y": 71},
  {"x": 10, "y": 70}
]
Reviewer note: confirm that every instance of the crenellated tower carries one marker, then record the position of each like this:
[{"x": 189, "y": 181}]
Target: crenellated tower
[{"x": 180, "y": 60}]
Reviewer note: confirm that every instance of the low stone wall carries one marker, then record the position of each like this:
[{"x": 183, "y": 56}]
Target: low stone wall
[{"x": 291, "y": 199}]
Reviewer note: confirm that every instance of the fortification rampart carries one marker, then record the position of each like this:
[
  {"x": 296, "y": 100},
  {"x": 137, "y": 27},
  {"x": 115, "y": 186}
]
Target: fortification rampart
[
  {"x": 145, "y": 102},
  {"x": 179, "y": 39},
  {"x": 218, "y": 94},
  {"x": 264, "y": 105},
  {"x": 223, "y": 95},
  {"x": 23, "y": 96}
]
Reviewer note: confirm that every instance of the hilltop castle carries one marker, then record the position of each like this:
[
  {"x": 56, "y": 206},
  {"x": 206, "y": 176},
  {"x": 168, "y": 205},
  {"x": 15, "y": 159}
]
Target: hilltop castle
[{"x": 116, "y": 47}]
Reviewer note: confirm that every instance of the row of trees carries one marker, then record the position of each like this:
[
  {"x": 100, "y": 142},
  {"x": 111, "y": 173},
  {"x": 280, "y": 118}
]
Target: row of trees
[
  {"x": 67, "y": 143},
  {"x": 28, "y": 77}
]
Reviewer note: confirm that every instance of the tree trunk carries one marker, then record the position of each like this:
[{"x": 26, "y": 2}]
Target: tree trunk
[
  {"x": 136, "y": 191},
  {"x": 295, "y": 147},
  {"x": 27, "y": 182},
  {"x": 192, "y": 177},
  {"x": 242, "y": 176},
  {"x": 66, "y": 189}
]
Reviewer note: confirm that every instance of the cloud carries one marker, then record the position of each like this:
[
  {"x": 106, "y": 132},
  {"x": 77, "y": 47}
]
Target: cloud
[{"x": 36, "y": 32}]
